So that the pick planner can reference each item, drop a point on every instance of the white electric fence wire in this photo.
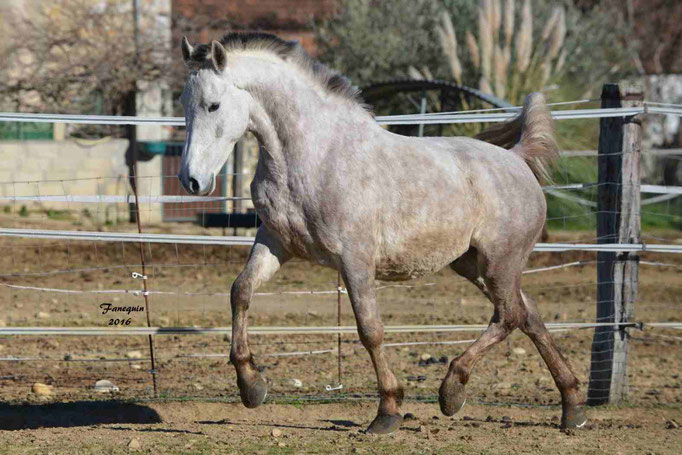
(411, 119)
(572, 153)
(561, 266)
(137, 292)
(492, 109)
(129, 199)
(661, 264)
(281, 354)
(654, 103)
(248, 241)
(308, 330)
(106, 199)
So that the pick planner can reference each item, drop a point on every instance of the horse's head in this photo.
(216, 116)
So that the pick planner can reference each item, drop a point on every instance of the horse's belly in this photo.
(418, 258)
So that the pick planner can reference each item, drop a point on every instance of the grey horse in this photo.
(335, 188)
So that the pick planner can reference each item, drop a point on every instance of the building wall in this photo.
(32, 168)
(290, 19)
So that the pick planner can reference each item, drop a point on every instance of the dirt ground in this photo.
(193, 371)
(205, 427)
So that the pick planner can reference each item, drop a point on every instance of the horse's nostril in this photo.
(193, 185)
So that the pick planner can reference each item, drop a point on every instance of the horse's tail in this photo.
(530, 134)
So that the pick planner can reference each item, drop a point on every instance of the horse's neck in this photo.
(298, 124)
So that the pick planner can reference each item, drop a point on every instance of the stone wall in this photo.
(31, 168)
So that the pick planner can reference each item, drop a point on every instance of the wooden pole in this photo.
(618, 221)
(338, 323)
(238, 177)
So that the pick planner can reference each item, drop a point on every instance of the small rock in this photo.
(276, 432)
(422, 429)
(42, 390)
(424, 357)
(296, 383)
(281, 444)
(135, 366)
(502, 385)
(672, 425)
(467, 418)
(134, 354)
(134, 444)
(506, 419)
(43, 315)
(435, 431)
(519, 351)
(409, 416)
(197, 386)
(435, 417)
(68, 357)
(104, 386)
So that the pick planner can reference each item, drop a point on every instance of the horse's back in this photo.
(444, 195)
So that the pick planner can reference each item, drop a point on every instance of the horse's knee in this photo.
(240, 294)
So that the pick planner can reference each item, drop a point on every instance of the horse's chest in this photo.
(287, 220)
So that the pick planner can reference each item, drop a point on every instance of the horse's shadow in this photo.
(75, 414)
(337, 425)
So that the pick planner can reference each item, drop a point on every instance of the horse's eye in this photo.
(213, 107)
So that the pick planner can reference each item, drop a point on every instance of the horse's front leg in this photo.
(267, 255)
(359, 279)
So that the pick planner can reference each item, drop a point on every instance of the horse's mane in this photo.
(290, 51)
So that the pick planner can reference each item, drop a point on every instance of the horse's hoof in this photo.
(451, 397)
(573, 418)
(253, 393)
(385, 424)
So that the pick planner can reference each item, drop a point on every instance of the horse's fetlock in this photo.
(240, 359)
(458, 372)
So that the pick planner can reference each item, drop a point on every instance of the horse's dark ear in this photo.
(186, 49)
(218, 56)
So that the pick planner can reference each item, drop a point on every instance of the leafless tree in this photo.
(80, 56)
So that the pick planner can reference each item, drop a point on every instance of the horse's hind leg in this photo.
(500, 282)
(572, 414)
(452, 395)
(265, 259)
(359, 278)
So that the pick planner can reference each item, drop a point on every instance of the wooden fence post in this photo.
(618, 221)
(237, 178)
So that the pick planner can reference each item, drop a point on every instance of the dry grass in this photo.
(510, 62)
